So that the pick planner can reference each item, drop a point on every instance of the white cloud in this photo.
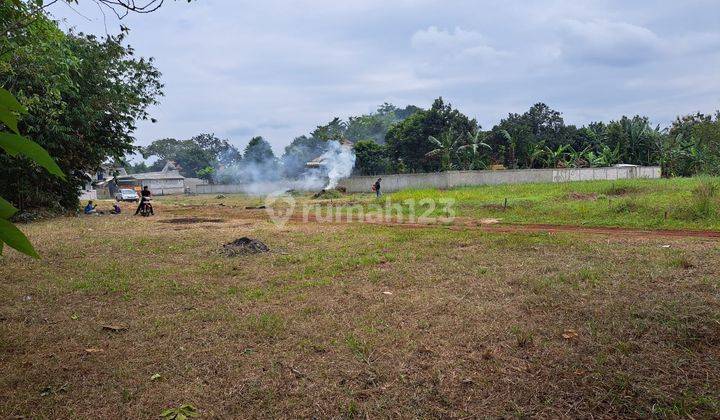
(610, 43)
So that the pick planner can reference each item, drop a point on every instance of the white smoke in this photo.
(260, 178)
(339, 160)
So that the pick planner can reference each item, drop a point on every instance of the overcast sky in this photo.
(279, 68)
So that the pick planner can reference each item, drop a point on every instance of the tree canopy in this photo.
(84, 96)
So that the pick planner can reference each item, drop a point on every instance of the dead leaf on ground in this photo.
(570, 334)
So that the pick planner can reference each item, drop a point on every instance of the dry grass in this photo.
(354, 321)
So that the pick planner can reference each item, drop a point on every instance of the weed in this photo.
(361, 349)
(680, 262)
(523, 338)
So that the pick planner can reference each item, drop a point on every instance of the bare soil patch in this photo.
(191, 220)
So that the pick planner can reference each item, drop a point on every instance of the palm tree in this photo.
(445, 148)
(475, 149)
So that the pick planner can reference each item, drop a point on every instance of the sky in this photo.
(278, 68)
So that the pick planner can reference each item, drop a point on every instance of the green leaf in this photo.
(9, 119)
(8, 106)
(6, 209)
(15, 144)
(16, 239)
(8, 101)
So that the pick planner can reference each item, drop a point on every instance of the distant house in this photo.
(167, 181)
(99, 183)
(320, 160)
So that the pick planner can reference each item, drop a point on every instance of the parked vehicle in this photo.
(127, 194)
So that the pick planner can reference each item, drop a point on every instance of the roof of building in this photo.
(318, 161)
(168, 172)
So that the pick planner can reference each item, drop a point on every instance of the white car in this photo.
(127, 194)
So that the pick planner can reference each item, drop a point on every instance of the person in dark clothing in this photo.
(145, 200)
(376, 187)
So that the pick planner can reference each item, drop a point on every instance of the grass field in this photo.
(359, 320)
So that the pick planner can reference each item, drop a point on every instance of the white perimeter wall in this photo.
(450, 179)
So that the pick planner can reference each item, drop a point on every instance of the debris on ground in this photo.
(254, 207)
(190, 220)
(93, 350)
(569, 334)
(327, 194)
(114, 328)
(243, 246)
(219, 196)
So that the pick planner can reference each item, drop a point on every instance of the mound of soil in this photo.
(243, 246)
(191, 220)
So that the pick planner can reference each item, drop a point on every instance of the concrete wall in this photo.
(217, 189)
(452, 179)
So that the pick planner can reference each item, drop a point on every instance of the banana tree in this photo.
(606, 156)
(554, 158)
(578, 158)
(475, 149)
(445, 149)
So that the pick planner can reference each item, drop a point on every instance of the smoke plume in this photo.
(264, 177)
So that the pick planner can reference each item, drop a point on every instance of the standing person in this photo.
(144, 200)
(376, 187)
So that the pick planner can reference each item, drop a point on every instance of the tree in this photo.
(445, 149)
(334, 130)
(370, 158)
(187, 154)
(409, 141)
(84, 96)
(258, 151)
(207, 173)
(474, 153)
(376, 125)
(302, 150)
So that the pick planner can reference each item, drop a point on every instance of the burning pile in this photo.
(243, 246)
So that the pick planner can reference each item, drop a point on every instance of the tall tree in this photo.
(84, 96)
(409, 141)
(258, 151)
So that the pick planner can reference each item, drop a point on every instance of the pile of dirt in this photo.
(191, 220)
(582, 196)
(243, 246)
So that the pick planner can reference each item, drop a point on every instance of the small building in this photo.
(165, 182)
(99, 184)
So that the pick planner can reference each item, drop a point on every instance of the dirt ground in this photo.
(127, 316)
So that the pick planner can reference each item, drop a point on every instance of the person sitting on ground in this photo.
(376, 187)
(90, 208)
(116, 209)
(145, 200)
